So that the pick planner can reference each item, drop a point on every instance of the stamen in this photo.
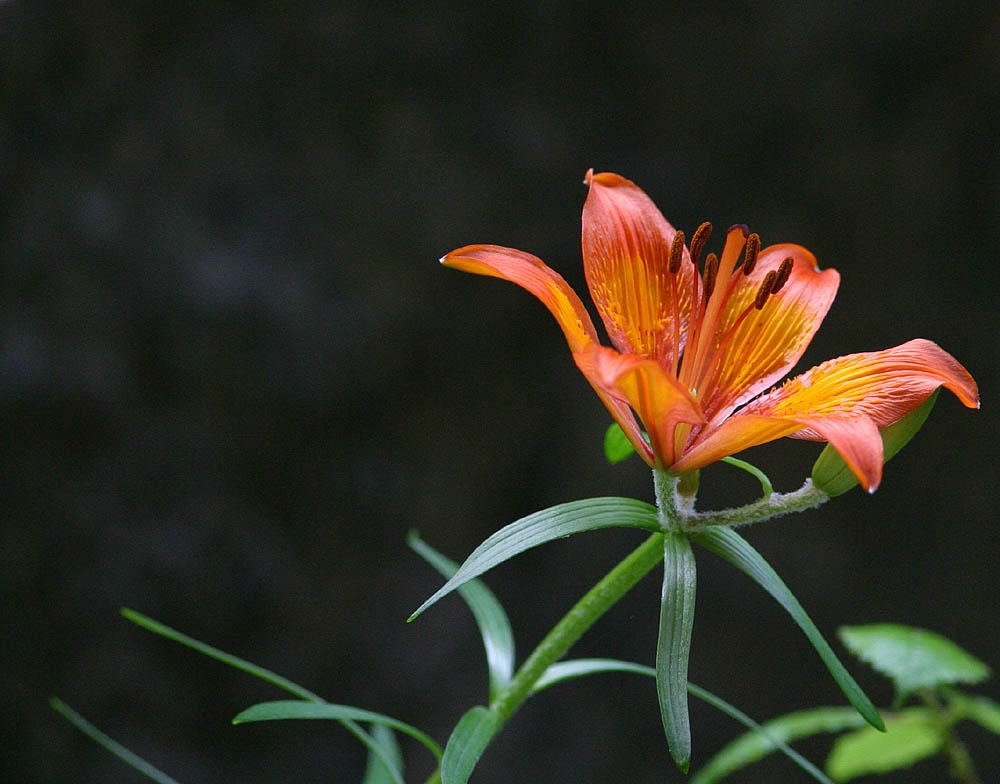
(676, 253)
(750, 255)
(784, 272)
(711, 270)
(765, 289)
(698, 241)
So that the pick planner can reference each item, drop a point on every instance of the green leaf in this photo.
(831, 474)
(467, 743)
(914, 658)
(544, 526)
(303, 709)
(109, 743)
(728, 544)
(378, 771)
(750, 468)
(910, 736)
(489, 614)
(258, 672)
(981, 710)
(753, 746)
(673, 645)
(576, 668)
(617, 447)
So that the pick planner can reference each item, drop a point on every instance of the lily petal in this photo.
(530, 273)
(882, 385)
(626, 253)
(656, 397)
(856, 438)
(767, 342)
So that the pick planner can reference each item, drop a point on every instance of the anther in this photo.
(711, 270)
(750, 255)
(676, 253)
(784, 271)
(765, 289)
(698, 241)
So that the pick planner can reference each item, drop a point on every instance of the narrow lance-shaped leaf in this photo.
(911, 735)
(753, 746)
(914, 658)
(544, 526)
(831, 474)
(577, 668)
(491, 619)
(377, 771)
(728, 544)
(674, 645)
(468, 740)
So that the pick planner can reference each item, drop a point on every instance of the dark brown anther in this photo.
(765, 289)
(698, 241)
(784, 271)
(750, 255)
(676, 253)
(711, 270)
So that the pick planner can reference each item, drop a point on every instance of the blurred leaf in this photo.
(914, 658)
(831, 474)
(467, 743)
(544, 526)
(673, 645)
(489, 614)
(377, 771)
(576, 668)
(617, 447)
(910, 736)
(302, 709)
(108, 743)
(728, 544)
(981, 710)
(753, 746)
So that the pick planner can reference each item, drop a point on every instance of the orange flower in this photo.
(695, 349)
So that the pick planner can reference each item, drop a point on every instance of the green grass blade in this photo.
(553, 523)
(303, 709)
(109, 744)
(732, 547)
(387, 767)
(494, 626)
(673, 645)
(467, 743)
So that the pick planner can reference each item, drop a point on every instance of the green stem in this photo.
(775, 505)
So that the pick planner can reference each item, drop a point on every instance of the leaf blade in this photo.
(617, 447)
(732, 547)
(467, 743)
(553, 523)
(911, 735)
(673, 645)
(387, 766)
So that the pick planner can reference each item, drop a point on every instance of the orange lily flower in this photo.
(694, 349)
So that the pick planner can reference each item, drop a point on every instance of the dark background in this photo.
(234, 375)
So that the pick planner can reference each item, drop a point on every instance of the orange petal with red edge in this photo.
(856, 438)
(626, 253)
(753, 353)
(660, 402)
(530, 273)
(882, 385)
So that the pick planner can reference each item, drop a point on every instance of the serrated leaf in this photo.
(910, 736)
(617, 447)
(831, 474)
(467, 743)
(544, 526)
(753, 746)
(110, 744)
(673, 645)
(301, 709)
(494, 626)
(913, 658)
(387, 767)
(728, 544)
